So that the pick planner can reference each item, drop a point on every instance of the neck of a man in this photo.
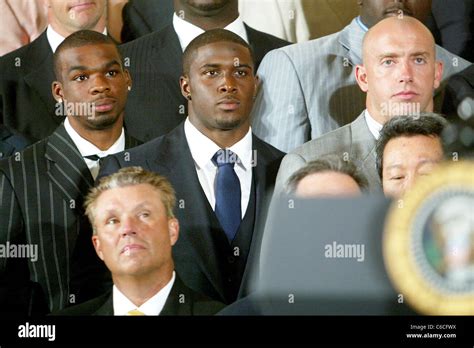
(65, 31)
(219, 19)
(382, 114)
(139, 289)
(223, 138)
(103, 138)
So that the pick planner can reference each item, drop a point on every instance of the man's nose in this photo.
(228, 84)
(100, 85)
(128, 227)
(406, 72)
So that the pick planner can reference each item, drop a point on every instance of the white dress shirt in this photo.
(86, 148)
(187, 32)
(373, 125)
(55, 39)
(203, 149)
(153, 306)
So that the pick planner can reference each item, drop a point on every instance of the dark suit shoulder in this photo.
(87, 308)
(26, 57)
(147, 41)
(182, 300)
(27, 155)
(141, 17)
(256, 36)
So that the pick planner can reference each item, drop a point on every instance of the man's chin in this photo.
(102, 122)
(228, 123)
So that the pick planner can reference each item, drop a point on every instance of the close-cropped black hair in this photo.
(78, 39)
(429, 124)
(209, 37)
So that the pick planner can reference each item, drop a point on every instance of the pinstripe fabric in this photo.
(41, 203)
(353, 142)
(309, 88)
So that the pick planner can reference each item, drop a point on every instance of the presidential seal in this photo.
(428, 242)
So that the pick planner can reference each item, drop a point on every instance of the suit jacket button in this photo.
(229, 279)
(230, 259)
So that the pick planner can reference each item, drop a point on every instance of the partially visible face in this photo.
(94, 82)
(372, 11)
(326, 184)
(400, 71)
(407, 158)
(74, 15)
(134, 235)
(222, 85)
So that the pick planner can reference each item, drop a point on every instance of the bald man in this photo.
(399, 74)
(309, 89)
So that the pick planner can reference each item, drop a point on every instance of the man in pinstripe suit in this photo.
(42, 187)
(309, 89)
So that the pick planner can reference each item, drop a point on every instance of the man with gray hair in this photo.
(327, 176)
(409, 147)
(134, 226)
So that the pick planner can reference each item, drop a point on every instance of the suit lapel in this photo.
(363, 148)
(66, 168)
(174, 160)
(107, 307)
(42, 75)
(258, 49)
(351, 38)
(178, 301)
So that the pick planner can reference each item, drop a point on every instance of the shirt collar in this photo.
(361, 25)
(187, 32)
(55, 39)
(373, 125)
(203, 149)
(86, 148)
(153, 306)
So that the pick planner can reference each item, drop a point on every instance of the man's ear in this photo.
(258, 84)
(57, 90)
(361, 78)
(184, 84)
(97, 247)
(128, 79)
(439, 67)
(173, 228)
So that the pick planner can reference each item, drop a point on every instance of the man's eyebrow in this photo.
(393, 54)
(103, 67)
(420, 53)
(388, 54)
(211, 65)
(393, 166)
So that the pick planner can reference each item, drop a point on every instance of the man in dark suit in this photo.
(42, 187)
(132, 216)
(155, 62)
(26, 103)
(220, 210)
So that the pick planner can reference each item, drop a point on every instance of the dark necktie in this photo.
(93, 157)
(227, 193)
